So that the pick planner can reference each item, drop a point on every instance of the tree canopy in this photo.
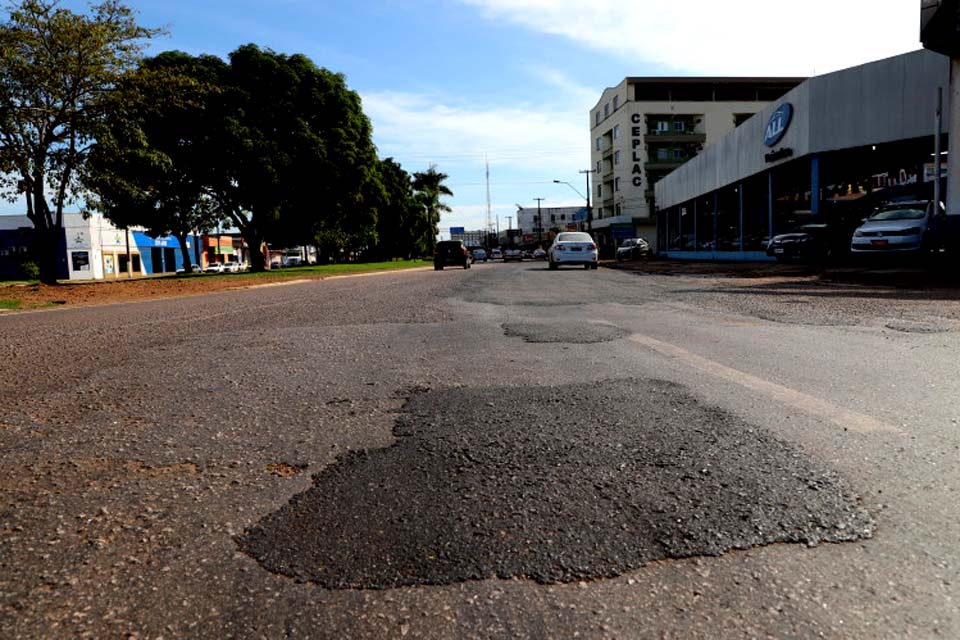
(56, 67)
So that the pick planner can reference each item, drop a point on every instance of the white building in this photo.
(538, 226)
(643, 128)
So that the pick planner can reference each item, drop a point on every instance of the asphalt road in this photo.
(505, 451)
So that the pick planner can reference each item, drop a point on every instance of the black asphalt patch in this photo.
(553, 484)
(567, 331)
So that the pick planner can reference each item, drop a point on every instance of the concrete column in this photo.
(953, 139)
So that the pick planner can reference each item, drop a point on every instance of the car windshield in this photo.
(574, 237)
(629, 243)
(898, 214)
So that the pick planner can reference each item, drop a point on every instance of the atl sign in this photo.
(777, 125)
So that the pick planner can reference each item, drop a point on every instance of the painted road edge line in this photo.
(845, 418)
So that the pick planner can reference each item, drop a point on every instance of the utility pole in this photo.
(539, 223)
(587, 172)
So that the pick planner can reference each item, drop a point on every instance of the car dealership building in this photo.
(833, 147)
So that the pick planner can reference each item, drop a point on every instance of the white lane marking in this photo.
(809, 404)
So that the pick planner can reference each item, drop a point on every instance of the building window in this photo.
(563, 216)
(553, 217)
(617, 209)
(598, 166)
(616, 184)
(598, 116)
(616, 100)
(663, 126)
(599, 189)
(663, 154)
(678, 154)
(606, 110)
(616, 157)
(599, 144)
(616, 132)
(679, 126)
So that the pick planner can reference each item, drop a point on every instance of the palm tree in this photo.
(428, 188)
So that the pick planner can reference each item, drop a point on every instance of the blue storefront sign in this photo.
(777, 125)
(456, 231)
(580, 215)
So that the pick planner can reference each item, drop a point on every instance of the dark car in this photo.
(807, 243)
(633, 249)
(452, 252)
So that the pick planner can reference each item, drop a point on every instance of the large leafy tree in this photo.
(397, 213)
(56, 66)
(150, 165)
(428, 188)
(295, 155)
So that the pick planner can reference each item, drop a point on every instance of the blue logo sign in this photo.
(457, 231)
(777, 125)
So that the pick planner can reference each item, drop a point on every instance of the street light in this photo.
(587, 197)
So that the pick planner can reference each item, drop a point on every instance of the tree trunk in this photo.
(48, 245)
(185, 252)
(255, 247)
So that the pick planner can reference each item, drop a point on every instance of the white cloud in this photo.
(423, 129)
(527, 147)
(732, 37)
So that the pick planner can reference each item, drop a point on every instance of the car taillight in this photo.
(593, 246)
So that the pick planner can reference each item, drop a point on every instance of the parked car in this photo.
(633, 249)
(231, 267)
(573, 247)
(479, 255)
(450, 252)
(495, 254)
(539, 254)
(513, 254)
(806, 243)
(194, 267)
(896, 227)
(292, 261)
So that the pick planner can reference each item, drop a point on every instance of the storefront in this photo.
(830, 150)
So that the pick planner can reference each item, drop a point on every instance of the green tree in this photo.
(429, 188)
(397, 213)
(55, 68)
(149, 166)
(295, 162)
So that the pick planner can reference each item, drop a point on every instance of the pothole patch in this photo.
(552, 484)
(565, 331)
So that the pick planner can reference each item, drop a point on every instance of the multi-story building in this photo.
(643, 128)
(538, 226)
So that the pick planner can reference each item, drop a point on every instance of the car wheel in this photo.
(586, 266)
(438, 267)
(552, 265)
(466, 265)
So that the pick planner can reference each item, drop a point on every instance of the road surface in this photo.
(500, 452)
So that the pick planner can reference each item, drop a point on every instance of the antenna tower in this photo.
(489, 218)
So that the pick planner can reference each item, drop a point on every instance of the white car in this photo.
(495, 254)
(513, 254)
(215, 267)
(573, 247)
(195, 268)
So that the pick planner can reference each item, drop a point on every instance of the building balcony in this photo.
(675, 137)
(664, 165)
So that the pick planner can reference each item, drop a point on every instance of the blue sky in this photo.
(450, 82)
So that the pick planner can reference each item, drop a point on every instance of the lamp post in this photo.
(577, 191)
